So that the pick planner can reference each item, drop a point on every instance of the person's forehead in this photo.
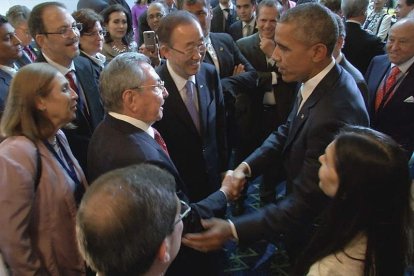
(56, 16)
(6, 28)
(154, 9)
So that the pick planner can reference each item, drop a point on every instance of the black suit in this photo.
(236, 29)
(360, 46)
(295, 148)
(219, 24)
(79, 137)
(396, 117)
(5, 81)
(200, 158)
(117, 144)
(358, 77)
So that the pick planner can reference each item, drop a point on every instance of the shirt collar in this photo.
(64, 70)
(178, 80)
(9, 70)
(224, 7)
(311, 84)
(135, 122)
(98, 58)
(404, 66)
(251, 22)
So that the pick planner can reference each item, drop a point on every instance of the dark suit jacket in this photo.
(5, 81)
(295, 148)
(236, 30)
(117, 144)
(358, 77)
(218, 23)
(396, 117)
(360, 46)
(97, 69)
(79, 137)
(200, 158)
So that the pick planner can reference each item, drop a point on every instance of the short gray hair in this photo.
(18, 14)
(354, 8)
(123, 72)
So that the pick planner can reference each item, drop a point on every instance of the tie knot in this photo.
(395, 71)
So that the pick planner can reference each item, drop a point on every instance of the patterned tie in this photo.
(160, 141)
(72, 84)
(299, 99)
(247, 28)
(190, 104)
(387, 91)
(29, 52)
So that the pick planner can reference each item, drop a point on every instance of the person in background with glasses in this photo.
(57, 34)
(130, 222)
(91, 38)
(17, 17)
(134, 95)
(119, 37)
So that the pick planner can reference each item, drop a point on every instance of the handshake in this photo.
(234, 182)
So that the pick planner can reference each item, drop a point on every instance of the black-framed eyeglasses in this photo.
(96, 33)
(66, 31)
(159, 87)
(189, 52)
(185, 210)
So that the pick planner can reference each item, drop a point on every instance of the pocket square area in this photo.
(409, 100)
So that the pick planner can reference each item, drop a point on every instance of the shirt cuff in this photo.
(249, 171)
(233, 230)
(274, 78)
(225, 195)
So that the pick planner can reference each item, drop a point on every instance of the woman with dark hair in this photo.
(367, 228)
(119, 35)
(41, 182)
(91, 38)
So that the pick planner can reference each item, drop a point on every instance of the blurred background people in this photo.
(139, 8)
(130, 222)
(91, 38)
(404, 8)
(38, 221)
(378, 21)
(119, 33)
(10, 51)
(246, 23)
(367, 227)
(18, 16)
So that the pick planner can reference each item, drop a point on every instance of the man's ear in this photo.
(319, 52)
(128, 100)
(164, 51)
(40, 40)
(164, 251)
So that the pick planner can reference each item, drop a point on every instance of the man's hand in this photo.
(267, 46)
(233, 183)
(238, 69)
(217, 232)
(153, 55)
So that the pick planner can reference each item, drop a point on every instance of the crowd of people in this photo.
(121, 158)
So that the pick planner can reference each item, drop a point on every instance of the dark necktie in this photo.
(160, 141)
(190, 104)
(385, 92)
(72, 84)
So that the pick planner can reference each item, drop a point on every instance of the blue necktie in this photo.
(190, 104)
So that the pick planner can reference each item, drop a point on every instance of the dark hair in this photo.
(373, 198)
(124, 217)
(315, 24)
(88, 18)
(269, 4)
(36, 24)
(333, 5)
(180, 3)
(409, 2)
(18, 14)
(127, 39)
(3, 20)
(354, 8)
(171, 21)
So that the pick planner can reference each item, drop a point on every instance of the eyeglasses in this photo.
(155, 16)
(65, 31)
(185, 210)
(159, 87)
(189, 52)
(96, 33)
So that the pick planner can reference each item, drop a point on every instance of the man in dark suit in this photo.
(392, 104)
(57, 35)
(246, 25)
(224, 14)
(133, 95)
(273, 101)
(360, 46)
(341, 60)
(10, 51)
(305, 37)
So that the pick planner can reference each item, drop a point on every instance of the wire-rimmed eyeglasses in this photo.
(96, 33)
(201, 48)
(185, 210)
(159, 87)
(66, 31)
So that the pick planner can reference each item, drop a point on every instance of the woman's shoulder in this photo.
(17, 145)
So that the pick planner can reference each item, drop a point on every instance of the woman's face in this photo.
(91, 42)
(328, 177)
(117, 25)
(60, 105)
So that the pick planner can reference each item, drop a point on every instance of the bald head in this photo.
(400, 43)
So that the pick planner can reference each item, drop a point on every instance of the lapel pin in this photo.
(201, 86)
(302, 116)
(221, 49)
